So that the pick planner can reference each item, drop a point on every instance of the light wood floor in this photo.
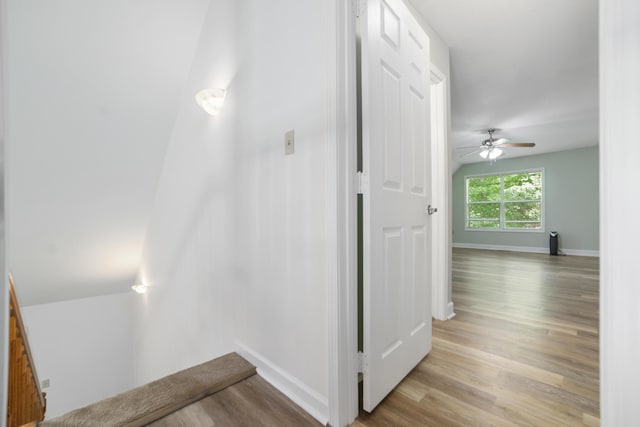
(522, 349)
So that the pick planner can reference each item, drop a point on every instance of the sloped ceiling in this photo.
(529, 67)
(93, 89)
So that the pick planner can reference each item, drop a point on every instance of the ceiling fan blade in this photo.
(518, 144)
(468, 147)
(471, 152)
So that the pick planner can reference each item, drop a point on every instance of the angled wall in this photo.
(187, 316)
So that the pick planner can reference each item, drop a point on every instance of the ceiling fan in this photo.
(491, 148)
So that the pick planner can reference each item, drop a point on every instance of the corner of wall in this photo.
(305, 397)
(4, 280)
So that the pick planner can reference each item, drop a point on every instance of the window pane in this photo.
(523, 225)
(505, 202)
(523, 186)
(484, 224)
(483, 189)
(522, 211)
(484, 210)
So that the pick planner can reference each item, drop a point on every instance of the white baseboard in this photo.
(580, 252)
(450, 313)
(309, 400)
(532, 249)
(502, 248)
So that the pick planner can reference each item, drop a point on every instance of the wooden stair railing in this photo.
(27, 403)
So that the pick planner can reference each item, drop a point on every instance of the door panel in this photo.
(396, 230)
(418, 279)
(391, 98)
(391, 293)
(418, 166)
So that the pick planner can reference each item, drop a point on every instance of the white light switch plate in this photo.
(289, 143)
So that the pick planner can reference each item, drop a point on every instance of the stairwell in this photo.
(27, 403)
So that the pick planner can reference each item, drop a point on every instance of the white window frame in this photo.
(501, 229)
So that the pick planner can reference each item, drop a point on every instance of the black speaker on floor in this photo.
(553, 243)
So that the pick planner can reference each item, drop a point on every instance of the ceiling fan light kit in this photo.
(491, 153)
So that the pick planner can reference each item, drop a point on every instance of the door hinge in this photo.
(362, 363)
(362, 183)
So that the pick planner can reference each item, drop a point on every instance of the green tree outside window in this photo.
(510, 201)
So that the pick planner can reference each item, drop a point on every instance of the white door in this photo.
(396, 160)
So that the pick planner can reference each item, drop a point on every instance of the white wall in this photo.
(84, 347)
(187, 316)
(4, 281)
(236, 252)
(619, 234)
(281, 224)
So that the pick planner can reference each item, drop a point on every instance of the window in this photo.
(512, 201)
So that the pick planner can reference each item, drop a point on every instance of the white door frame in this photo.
(341, 214)
(442, 306)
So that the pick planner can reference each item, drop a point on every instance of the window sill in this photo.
(510, 230)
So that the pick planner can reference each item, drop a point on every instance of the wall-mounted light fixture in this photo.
(211, 100)
(140, 288)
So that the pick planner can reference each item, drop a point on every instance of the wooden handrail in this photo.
(27, 403)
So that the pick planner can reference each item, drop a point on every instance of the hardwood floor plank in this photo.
(501, 363)
(459, 413)
(413, 389)
(590, 420)
(522, 350)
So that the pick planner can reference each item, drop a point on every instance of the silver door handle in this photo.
(431, 210)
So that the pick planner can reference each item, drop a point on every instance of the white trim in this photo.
(508, 230)
(543, 215)
(440, 250)
(341, 214)
(308, 399)
(450, 313)
(579, 252)
(531, 249)
(619, 151)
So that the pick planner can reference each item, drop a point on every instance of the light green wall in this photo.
(571, 200)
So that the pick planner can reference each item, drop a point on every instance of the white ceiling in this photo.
(529, 67)
(93, 89)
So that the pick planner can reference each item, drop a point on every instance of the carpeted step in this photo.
(145, 404)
